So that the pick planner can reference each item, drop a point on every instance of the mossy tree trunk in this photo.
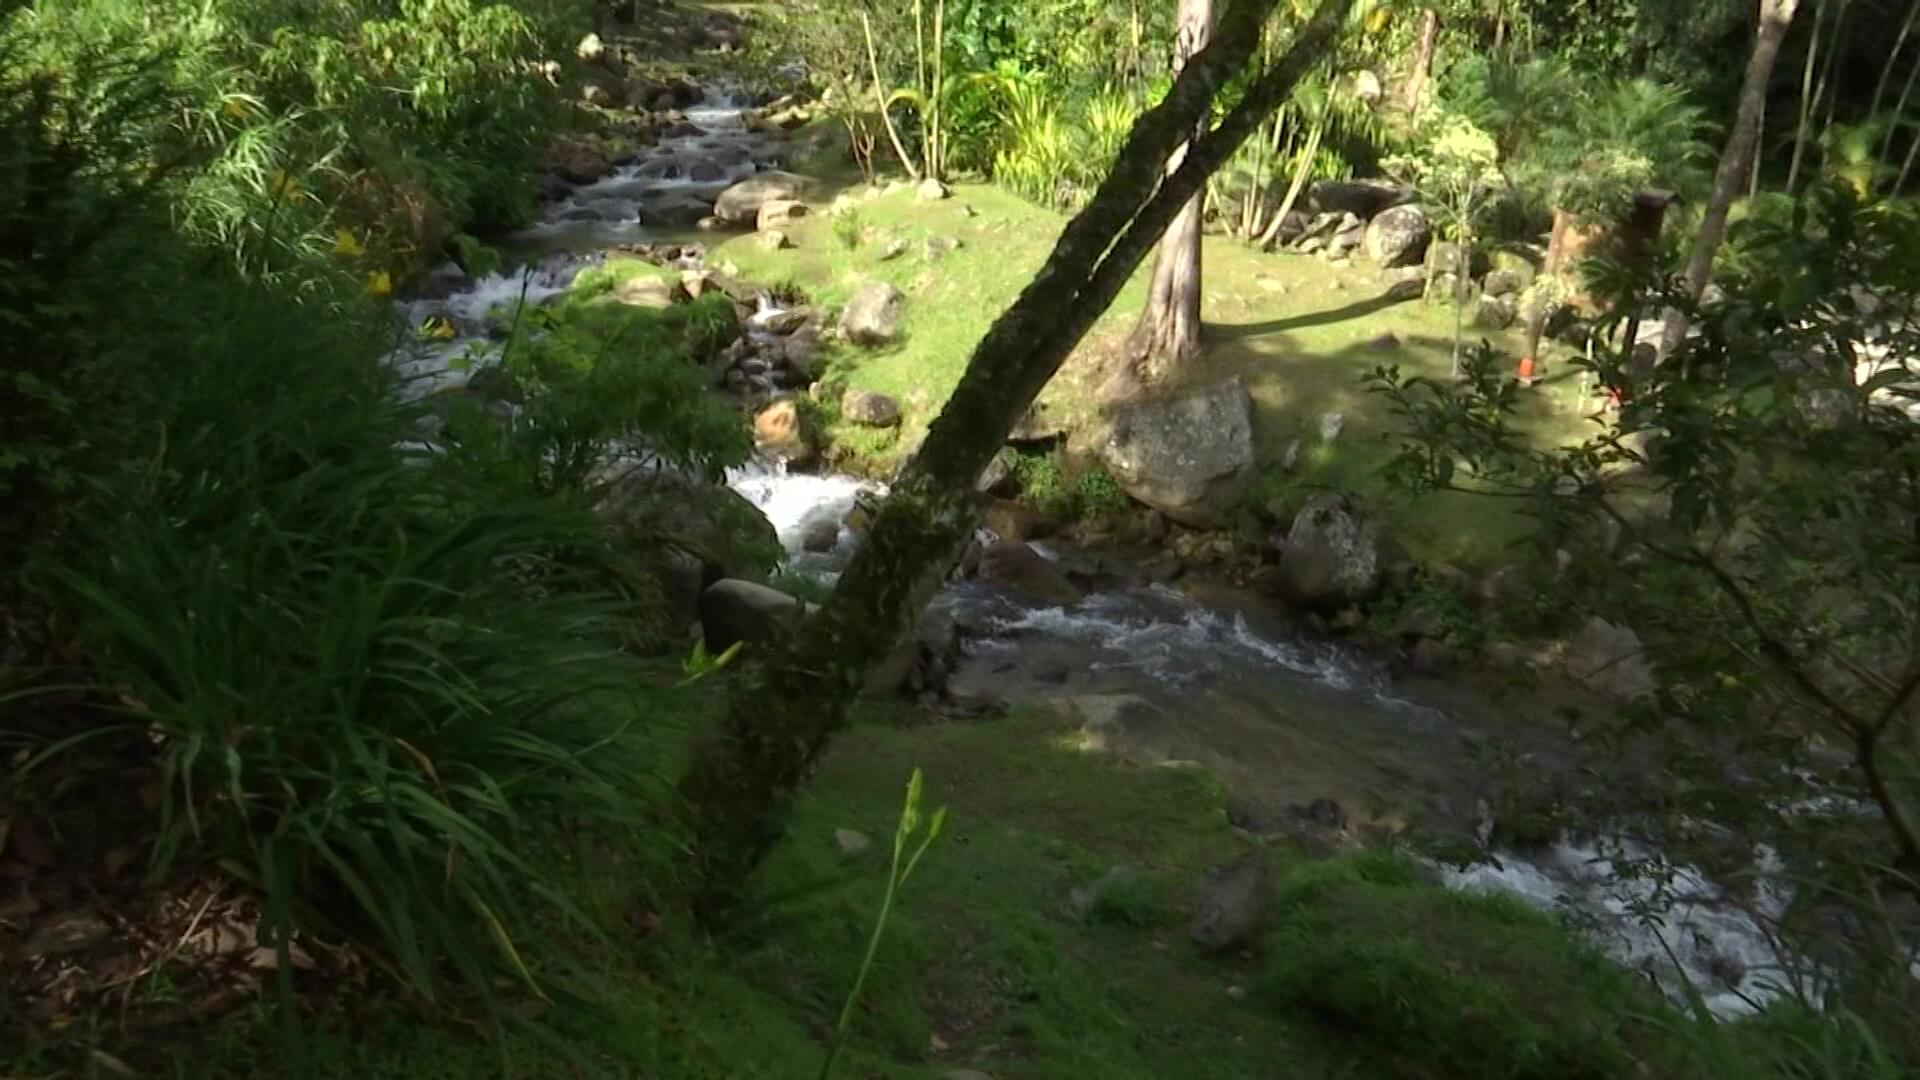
(780, 718)
(1168, 334)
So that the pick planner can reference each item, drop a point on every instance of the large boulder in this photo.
(1609, 658)
(733, 611)
(872, 316)
(659, 510)
(1361, 198)
(1017, 568)
(779, 213)
(1233, 902)
(1331, 556)
(741, 203)
(1398, 236)
(1175, 453)
(870, 409)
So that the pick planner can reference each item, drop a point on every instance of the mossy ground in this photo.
(987, 965)
(1303, 334)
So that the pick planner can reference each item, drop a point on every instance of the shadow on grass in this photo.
(1359, 309)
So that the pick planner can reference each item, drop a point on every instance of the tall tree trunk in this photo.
(1776, 16)
(782, 716)
(1416, 88)
(1807, 94)
(1168, 334)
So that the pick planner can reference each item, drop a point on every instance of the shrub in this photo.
(369, 676)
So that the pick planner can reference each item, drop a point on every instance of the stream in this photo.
(1298, 729)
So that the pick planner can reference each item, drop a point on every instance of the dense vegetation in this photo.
(398, 688)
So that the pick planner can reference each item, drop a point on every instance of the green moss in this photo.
(1464, 985)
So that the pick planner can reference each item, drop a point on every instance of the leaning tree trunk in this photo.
(1416, 87)
(780, 719)
(1775, 17)
(1168, 334)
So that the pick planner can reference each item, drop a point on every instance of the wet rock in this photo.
(779, 213)
(1017, 568)
(786, 322)
(1398, 237)
(733, 611)
(1609, 658)
(678, 209)
(819, 532)
(1233, 903)
(741, 203)
(1323, 812)
(577, 161)
(869, 408)
(1175, 454)
(1011, 520)
(1331, 557)
(781, 428)
(872, 316)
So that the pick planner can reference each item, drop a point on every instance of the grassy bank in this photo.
(1303, 334)
(1363, 970)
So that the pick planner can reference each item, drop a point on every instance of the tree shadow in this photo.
(1359, 309)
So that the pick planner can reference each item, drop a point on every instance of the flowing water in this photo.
(1207, 677)
(1213, 677)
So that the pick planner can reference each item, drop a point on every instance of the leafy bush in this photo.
(599, 377)
(369, 676)
(1468, 986)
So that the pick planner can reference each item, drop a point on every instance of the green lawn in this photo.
(1302, 333)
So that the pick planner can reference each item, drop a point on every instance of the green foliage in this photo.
(1775, 600)
(597, 376)
(1053, 158)
(1131, 898)
(370, 677)
(1046, 483)
(1465, 985)
(849, 229)
(899, 870)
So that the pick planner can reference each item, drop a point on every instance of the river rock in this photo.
(1010, 520)
(820, 530)
(1503, 283)
(922, 662)
(733, 611)
(1233, 902)
(786, 322)
(1398, 236)
(869, 408)
(872, 316)
(1609, 658)
(1361, 198)
(781, 428)
(1176, 453)
(1017, 568)
(1331, 557)
(1494, 313)
(717, 526)
(678, 209)
(779, 213)
(741, 203)
(1126, 726)
(645, 291)
(800, 351)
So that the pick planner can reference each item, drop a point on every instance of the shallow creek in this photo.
(1202, 676)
